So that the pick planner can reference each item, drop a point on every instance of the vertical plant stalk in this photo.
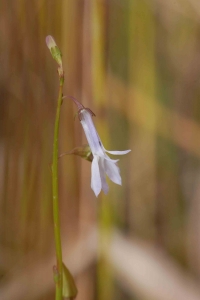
(58, 270)
(105, 211)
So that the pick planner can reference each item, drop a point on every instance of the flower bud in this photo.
(55, 51)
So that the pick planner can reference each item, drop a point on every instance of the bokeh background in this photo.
(136, 64)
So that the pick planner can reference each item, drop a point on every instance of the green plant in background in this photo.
(65, 286)
(102, 165)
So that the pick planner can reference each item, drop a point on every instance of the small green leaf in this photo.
(55, 274)
(69, 286)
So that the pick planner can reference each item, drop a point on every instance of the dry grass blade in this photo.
(141, 268)
(149, 273)
(36, 279)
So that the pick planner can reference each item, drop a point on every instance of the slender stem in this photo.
(56, 217)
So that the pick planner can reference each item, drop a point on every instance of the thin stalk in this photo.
(58, 269)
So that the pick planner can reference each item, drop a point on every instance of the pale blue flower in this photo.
(102, 164)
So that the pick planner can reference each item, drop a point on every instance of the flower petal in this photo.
(112, 170)
(118, 152)
(96, 178)
(91, 133)
(104, 184)
(105, 156)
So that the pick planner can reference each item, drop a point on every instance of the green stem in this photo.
(56, 217)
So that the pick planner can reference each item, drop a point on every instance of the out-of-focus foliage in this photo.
(136, 64)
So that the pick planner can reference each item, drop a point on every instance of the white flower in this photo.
(102, 165)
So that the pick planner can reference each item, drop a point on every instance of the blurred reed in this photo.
(99, 67)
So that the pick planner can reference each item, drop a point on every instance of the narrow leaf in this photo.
(69, 286)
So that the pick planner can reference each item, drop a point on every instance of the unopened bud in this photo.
(55, 51)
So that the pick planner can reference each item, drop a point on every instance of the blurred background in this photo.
(136, 65)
